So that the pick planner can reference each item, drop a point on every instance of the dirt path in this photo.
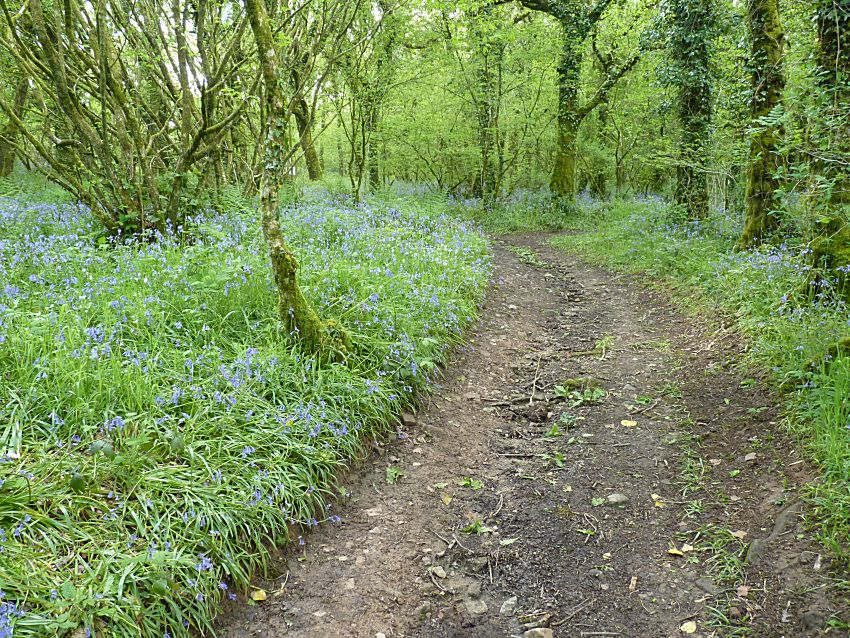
(658, 445)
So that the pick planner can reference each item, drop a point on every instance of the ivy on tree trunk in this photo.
(692, 31)
(768, 83)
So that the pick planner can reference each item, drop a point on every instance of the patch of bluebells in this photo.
(184, 338)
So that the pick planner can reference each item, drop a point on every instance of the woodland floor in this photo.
(704, 460)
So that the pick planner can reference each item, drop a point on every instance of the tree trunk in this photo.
(563, 183)
(691, 47)
(304, 122)
(831, 248)
(833, 59)
(9, 133)
(295, 311)
(768, 82)
(488, 60)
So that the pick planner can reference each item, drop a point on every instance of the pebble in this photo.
(475, 607)
(618, 499)
(408, 420)
(508, 606)
(438, 571)
(539, 632)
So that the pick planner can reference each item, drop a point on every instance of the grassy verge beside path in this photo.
(158, 430)
(788, 323)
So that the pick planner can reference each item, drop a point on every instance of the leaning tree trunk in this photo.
(304, 122)
(295, 311)
(9, 133)
(768, 82)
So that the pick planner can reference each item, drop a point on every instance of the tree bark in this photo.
(9, 133)
(304, 122)
(831, 247)
(295, 311)
(563, 182)
(768, 83)
(691, 48)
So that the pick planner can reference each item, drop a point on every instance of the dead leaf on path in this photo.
(740, 534)
(750, 457)
(633, 583)
(687, 548)
(743, 591)
(715, 461)
(675, 552)
(658, 500)
(446, 498)
(568, 488)
(689, 627)
(258, 594)
(628, 423)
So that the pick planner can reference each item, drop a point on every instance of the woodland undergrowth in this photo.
(159, 432)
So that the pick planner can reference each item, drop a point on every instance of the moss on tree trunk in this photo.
(9, 133)
(768, 82)
(295, 311)
(304, 122)
(693, 22)
(563, 182)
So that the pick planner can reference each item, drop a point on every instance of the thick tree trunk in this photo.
(831, 248)
(768, 82)
(694, 21)
(301, 111)
(563, 182)
(295, 311)
(833, 59)
(9, 133)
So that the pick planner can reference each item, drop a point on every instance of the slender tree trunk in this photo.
(768, 84)
(374, 162)
(304, 122)
(295, 311)
(488, 60)
(9, 133)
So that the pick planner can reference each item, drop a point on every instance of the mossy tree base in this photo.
(325, 339)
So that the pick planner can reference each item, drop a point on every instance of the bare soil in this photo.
(666, 443)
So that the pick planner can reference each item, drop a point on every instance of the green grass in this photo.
(158, 429)
(787, 323)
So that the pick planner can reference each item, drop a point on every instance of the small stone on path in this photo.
(508, 606)
(475, 607)
(408, 420)
(618, 499)
(539, 632)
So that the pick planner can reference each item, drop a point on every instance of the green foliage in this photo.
(159, 431)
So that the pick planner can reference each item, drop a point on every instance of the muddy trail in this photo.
(591, 464)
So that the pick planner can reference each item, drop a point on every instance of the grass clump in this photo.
(793, 325)
(159, 430)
